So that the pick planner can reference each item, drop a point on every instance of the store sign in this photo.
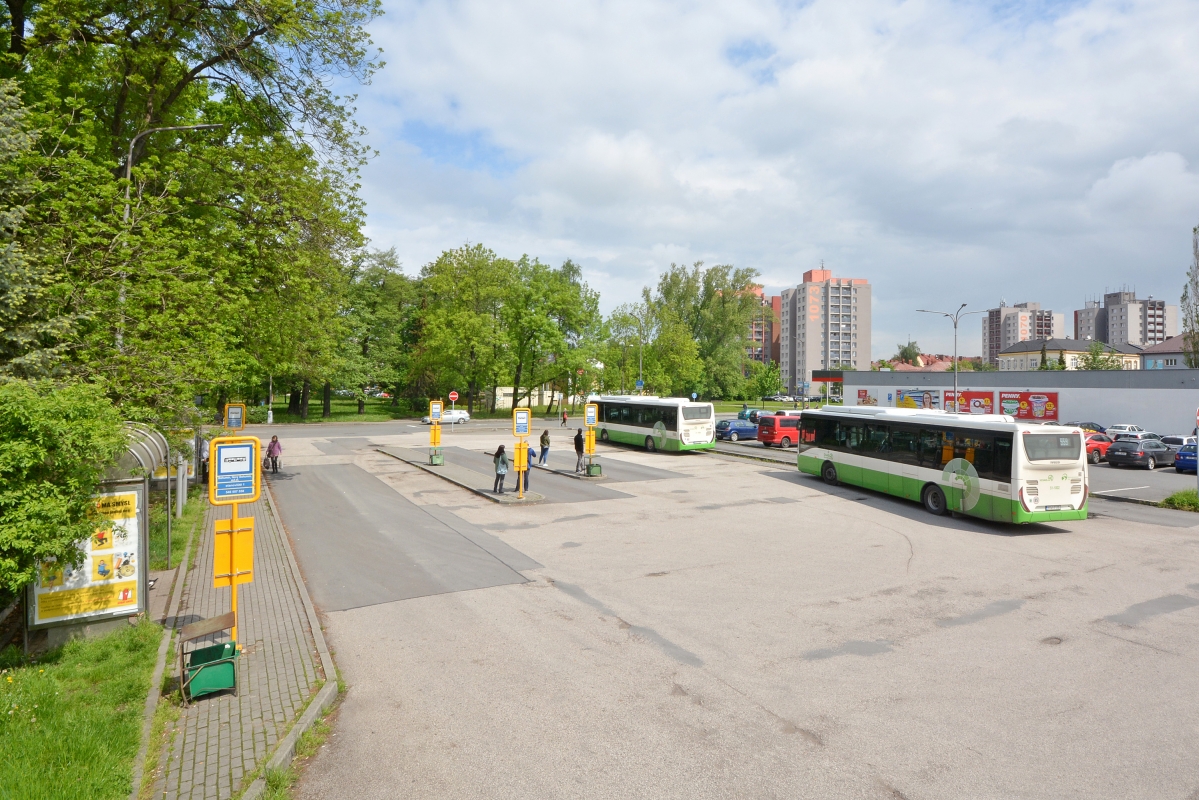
(1036, 406)
(106, 583)
(918, 398)
(972, 402)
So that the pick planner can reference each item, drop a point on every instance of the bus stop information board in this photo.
(591, 415)
(520, 422)
(235, 477)
(235, 416)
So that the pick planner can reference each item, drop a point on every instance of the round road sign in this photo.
(453, 396)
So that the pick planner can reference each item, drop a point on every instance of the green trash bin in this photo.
(212, 669)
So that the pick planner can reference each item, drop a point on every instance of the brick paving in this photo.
(221, 738)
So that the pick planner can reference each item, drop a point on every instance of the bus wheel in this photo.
(934, 500)
(785, 443)
(649, 444)
(604, 435)
(829, 473)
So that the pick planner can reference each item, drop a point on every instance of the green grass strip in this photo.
(1186, 500)
(70, 722)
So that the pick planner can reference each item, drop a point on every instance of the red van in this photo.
(778, 430)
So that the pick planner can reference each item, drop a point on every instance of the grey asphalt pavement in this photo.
(746, 631)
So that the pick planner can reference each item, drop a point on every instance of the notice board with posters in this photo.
(1035, 406)
(972, 402)
(110, 580)
(918, 398)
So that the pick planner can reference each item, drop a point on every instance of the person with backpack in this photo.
(500, 459)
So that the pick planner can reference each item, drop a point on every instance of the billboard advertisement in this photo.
(918, 398)
(106, 583)
(867, 397)
(972, 402)
(1034, 406)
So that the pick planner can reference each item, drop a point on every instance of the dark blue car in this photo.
(734, 429)
(1184, 459)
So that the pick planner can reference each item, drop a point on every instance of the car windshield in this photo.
(1052, 446)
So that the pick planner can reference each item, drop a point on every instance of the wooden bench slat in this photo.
(207, 626)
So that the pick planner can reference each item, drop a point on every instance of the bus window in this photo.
(670, 419)
(876, 439)
(646, 417)
(1001, 468)
(1052, 446)
(932, 452)
(626, 415)
(849, 435)
(904, 445)
(697, 412)
(825, 432)
(611, 413)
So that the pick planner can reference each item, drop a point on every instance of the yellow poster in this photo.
(117, 506)
(88, 600)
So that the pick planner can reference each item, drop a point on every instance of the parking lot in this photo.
(731, 628)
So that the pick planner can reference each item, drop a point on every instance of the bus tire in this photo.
(649, 444)
(934, 500)
(829, 473)
(604, 435)
(785, 443)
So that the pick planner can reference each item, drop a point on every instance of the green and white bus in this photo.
(984, 465)
(656, 423)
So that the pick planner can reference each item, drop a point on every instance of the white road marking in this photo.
(1128, 489)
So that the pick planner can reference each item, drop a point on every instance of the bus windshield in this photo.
(697, 412)
(1052, 446)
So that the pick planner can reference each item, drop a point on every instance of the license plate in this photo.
(1054, 508)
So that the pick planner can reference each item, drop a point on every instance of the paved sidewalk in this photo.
(221, 738)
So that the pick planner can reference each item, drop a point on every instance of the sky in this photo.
(947, 151)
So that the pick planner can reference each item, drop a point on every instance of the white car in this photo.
(1112, 430)
(454, 416)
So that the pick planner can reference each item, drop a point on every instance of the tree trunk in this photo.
(293, 401)
(304, 394)
(361, 400)
(327, 400)
(470, 397)
(395, 396)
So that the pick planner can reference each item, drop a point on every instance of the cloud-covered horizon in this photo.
(948, 152)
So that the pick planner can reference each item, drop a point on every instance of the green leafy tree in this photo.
(55, 443)
(764, 379)
(907, 353)
(1044, 363)
(1099, 356)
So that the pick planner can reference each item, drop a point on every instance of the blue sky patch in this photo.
(473, 150)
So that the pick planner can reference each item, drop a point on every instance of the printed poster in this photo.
(1035, 406)
(918, 398)
(867, 397)
(106, 582)
(972, 402)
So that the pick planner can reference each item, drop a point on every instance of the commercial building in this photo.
(1170, 354)
(1123, 319)
(1027, 355)
(824, 323)
(1006, 325)
(764, 329)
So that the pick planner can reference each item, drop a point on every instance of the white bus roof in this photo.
(652, 398)
(931, 415)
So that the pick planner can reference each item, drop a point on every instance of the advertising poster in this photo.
(867, 397)
(1035, 406)
(106, 583)
(972, 402)
(918, 398)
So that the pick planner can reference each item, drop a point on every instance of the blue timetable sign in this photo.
(235, 475)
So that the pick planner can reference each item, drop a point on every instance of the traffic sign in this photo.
(235, 416)
(453, 397)
(435, 407)
(640, 384)
(235, 476)
(694, 395)
(520, 421)
(591, 415)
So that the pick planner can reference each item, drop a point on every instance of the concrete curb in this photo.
(566, 474)
(530, 498)
(749, 456)
(1136, 500)
(285, 751)
(155, 695)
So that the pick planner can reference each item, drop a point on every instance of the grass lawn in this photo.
(70, 723)
(346, 410)
(731, 406)
(1186, 500)
(193, 512)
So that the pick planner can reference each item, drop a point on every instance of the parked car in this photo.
(746, 412)
(1112, 430)
(756, 414)
(781, 430)
(779, 398)
(1097, 445)
(1176, 441)
(1185, 459)
(1093, 427)
(450, 417)
(1135, 436)
(735, 429)
(1147, 453)
(789, 412)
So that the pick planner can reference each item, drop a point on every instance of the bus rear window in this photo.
(697, 412)
(1052, 446)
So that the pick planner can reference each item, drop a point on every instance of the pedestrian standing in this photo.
(545, 447)
(530, 454)
(563, 418)
(579, 450)
(501, 469)
(204, 460)
(273, 451)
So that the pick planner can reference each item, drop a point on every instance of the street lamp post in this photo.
(954, 317)
(120, 338)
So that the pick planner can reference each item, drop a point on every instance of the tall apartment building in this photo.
(764, 329)
(1007, 325)
(1123, 319)
(824, 324)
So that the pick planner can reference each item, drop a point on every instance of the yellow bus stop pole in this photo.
(233, 572)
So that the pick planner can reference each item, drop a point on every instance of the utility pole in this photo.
(954, 317)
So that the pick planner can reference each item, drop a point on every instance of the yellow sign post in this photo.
(522, 421)
(436, 457)
(235, 416)
(234, 477)
(591, 419)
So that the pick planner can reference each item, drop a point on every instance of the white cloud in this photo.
(947, 151)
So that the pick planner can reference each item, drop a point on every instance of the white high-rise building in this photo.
(824, 324)
(1008, 325)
